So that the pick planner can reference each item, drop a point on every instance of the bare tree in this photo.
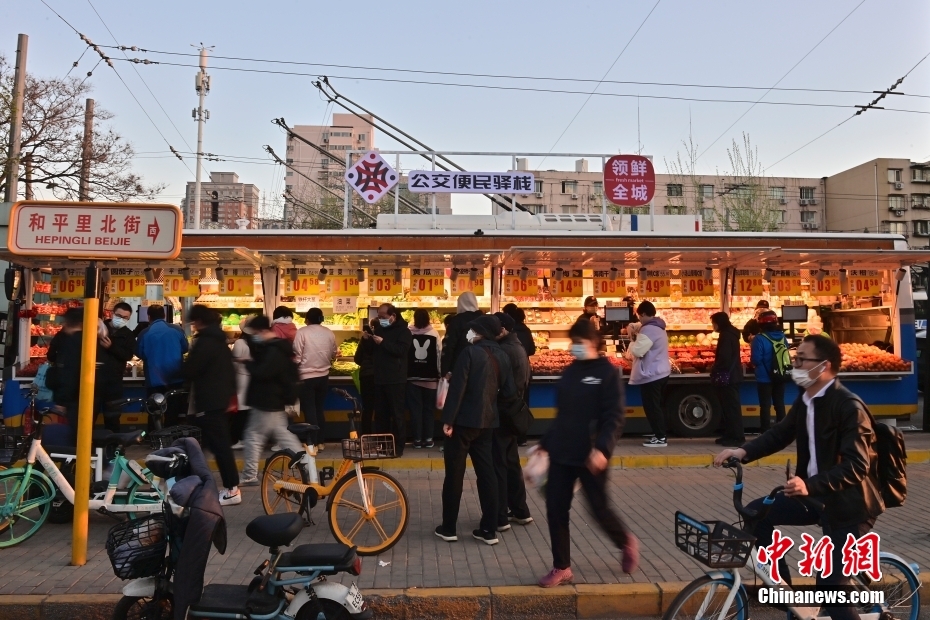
(52, 137)
(684, 174)
(746, 203)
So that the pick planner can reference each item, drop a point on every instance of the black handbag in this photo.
(722, 378)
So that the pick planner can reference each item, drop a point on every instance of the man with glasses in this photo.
(837, 462)
(115, 346)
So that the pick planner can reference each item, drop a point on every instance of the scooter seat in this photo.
(103, 438)
(275, 530)
(336, 555)
(304, 432)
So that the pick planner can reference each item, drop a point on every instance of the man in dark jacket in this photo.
(392, 339)
(454, 342)
(209, 369)
(64, 374)
(114, 349)
(272, 386)
(480, 379)
(837, 461)
(511, 490)
(365, 358)
(524, 333)
(727, 364)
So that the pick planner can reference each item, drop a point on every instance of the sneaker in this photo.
(488, 538)
(429, 443)
(230, 497)
(655, 442)
(556, 577)
(630, 554)
(417, 445)
(520, 520)
(503, 528)
(445, 534)
(276, 448)
(249, 482)
(238, 446)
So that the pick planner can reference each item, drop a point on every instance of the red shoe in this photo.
(630, 554)
(556, 577)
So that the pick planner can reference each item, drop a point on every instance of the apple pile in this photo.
(550, 362)
(867, 358)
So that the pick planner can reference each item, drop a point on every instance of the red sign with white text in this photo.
(629, 180)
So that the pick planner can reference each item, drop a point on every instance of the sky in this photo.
(716, 43)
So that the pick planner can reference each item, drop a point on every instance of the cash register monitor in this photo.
(794, 314)
(619, 314)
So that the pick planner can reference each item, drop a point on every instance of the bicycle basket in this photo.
(369, 447)
(137, 547)
(13, 445)
(166, 436)
(714, 543)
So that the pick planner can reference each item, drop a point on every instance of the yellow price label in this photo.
(571, 284)
(517, 287)
(305, 285)
(464, 284)
(785, 283)
(67, 287)
(656, 284)
(828, 286)
(381, 282)
(748, 282)
(605, 287)
(237, 286)
(177, 286)
(694, 284)
(864, 283)
(342, 285)
(427, 285)
(127, 286)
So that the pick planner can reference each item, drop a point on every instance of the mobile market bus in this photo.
(854, 287)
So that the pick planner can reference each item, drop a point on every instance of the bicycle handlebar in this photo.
(749, 515)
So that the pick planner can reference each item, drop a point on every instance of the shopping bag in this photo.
(292, 410)
(441, 393)
(536, 470)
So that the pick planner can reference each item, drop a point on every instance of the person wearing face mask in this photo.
(836, 456)
(115, 347)
(589, 395)
(392, 339)
(590, 311)
(651, 368)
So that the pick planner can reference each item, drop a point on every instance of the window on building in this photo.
(707, 214)
(922, 228)
(673, 189)
(290, 148)
(783, 218)
(536, 209)
(569, 209)
(777, 193)
(538, 187)
(807, 193)
(597, 188)
(361, 137)
(706, 191)
(896, 203)
(920, 174)
(895, 228)
(324, 163)
(894, 175)
(808, 216)
(288, 188)
(675, 210)
(920, 201)
(569, 187)
(289, 173)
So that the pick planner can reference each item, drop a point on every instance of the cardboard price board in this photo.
(864, 283)
(516, 287)
(177, 286)
(571, 284)
(381, 282)
(829, 286)
(305, 285)
(344, 304)
(694, 284)
(428, 282)
(237, 283)
(785, 283)
(748, 282)
(462, 283)
(656, 283)
(342, 282)
(127, 286)
(69, 285)
(605, 287)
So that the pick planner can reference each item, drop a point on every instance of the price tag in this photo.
(748, 282)
(828, 286)
(69, 286)
(343, 282)
(864, 283)
(345, 304)
(571, 284)
(381, 282)
(462, 283)
(176, 286)
(656, 284)
(127, 286)
(428, 282)
(237, 283)
(694, 284)
(785, 283)
(305, 303)
(516, 287)
(605, 287)
(305, 284)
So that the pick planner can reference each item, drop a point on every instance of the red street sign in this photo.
(629, 180)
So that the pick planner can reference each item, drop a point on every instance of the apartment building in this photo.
(223, 201)
(890, 195)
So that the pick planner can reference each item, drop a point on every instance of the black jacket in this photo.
(846, 479)
(525, 334)
(728, 354)
(454, 341)
(111, 363)
(365, 357)
(477, 385)
(391, 355)
(519, 362)
(272, 375)
(589, 397)
(64, 378)
(209, 367)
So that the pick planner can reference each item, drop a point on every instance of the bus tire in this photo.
(692, 411)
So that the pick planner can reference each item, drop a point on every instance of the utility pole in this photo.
(27, 164)
(16, 128)
(202, 86)
(87, 150)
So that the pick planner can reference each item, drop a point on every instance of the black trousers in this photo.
(214, 428)
(732, 412)
(521, 440)
(770, 393)
(369, 394)
(478, 444)
(651, 394)
(560, 490)
(390, 411)
(788, 511)
(313, 401)
(511, 490)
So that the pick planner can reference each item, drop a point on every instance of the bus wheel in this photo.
(692, 412)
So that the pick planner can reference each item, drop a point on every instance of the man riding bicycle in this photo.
(836, 460)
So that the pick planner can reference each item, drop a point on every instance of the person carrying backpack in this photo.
(773, 367)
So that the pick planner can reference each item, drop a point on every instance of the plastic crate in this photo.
(137, 547)
(369, 447)
(166, 436)
(13, 445)
(713, 543)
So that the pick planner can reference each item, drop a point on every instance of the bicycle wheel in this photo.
(144, 608)
(278, 468)
(703, 599)
(20, 521)
(379, 531)
(901, 588)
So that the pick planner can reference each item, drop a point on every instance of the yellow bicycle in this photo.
(367, 507)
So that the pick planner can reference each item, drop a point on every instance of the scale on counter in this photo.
(792, 315)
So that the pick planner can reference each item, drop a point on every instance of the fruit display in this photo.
(49, 329)
(343, 369)
(693, 340)
(541, 339)
(549, 362)
(37, 351)
(699, 358)
(686, 316)
(621, 362)
(232, 320)
(55, 308)
(32, 368)
(348, 347)
(546, 316)
(436, 317)
(868, 358)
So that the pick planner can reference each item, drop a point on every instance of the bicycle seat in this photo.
(275, 530)
(337, 555)
(102, 438)
(304, 431)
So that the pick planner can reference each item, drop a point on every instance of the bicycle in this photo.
(27, 494)
(367, 507)
(720, 594)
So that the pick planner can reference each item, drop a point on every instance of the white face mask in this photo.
(802, 377)
(471, 335)
(119, 321)
(579, 352)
